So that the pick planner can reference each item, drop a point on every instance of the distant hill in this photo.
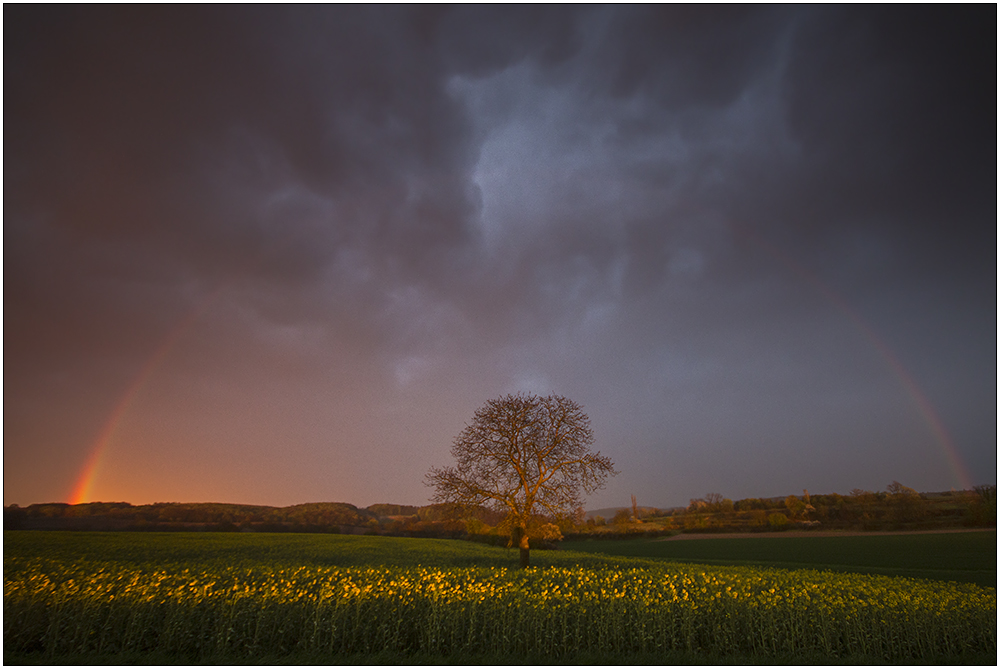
(179, 516)
(218, 517)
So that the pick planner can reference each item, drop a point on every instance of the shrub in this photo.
(550, 532)
(777, 520)
(622, 517)
(983, 510)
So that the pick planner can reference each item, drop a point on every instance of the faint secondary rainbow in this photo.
(927, 410)
(84, 485)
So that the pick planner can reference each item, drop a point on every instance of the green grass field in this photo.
(968, 557)
(94, 598)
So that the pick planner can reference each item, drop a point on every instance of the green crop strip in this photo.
(967, 556)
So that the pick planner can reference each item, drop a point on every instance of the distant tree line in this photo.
(898, 507)
(314, 517)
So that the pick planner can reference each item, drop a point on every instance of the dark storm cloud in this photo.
(269, 142)
(909, 93)
(197, 144)
(128, 103)
(684, 57)
(894, 114)
(645, 204)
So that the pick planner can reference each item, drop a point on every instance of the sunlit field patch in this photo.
(56, 608)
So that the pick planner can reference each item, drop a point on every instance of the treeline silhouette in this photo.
(897, 508)
(333, 517)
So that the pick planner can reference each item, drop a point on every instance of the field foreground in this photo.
(90, 597)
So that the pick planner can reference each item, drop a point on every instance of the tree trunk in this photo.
(521, 539)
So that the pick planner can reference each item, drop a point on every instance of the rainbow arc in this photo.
(899, 370)
(82, 491)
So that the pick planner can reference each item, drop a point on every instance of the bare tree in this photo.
(523, 455)
(635, 510)
(714, 500)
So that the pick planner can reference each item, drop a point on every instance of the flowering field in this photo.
(57, 608)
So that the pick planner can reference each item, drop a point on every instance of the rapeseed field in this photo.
(56, 608)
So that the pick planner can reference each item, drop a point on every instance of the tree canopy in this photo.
(523, 455)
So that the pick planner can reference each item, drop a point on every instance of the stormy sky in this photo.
(281, 255)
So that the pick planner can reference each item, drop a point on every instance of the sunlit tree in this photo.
(523, 455)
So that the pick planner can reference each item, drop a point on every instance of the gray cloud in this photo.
(356, 224)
